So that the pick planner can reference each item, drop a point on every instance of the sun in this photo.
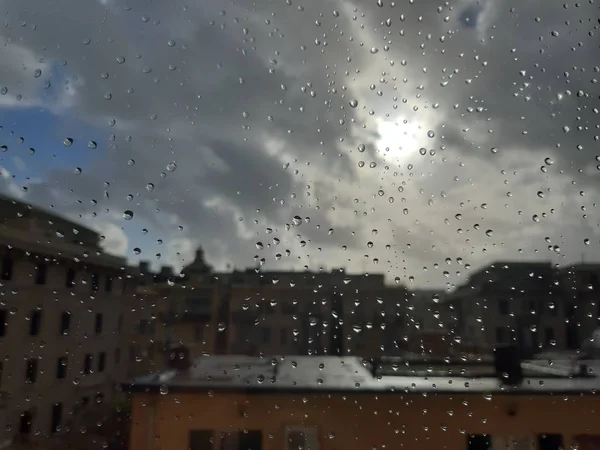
(400, 139)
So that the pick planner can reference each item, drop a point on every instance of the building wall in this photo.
(99, 323)
(355, 420)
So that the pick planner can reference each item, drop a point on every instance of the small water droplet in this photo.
(128, 214)
(92, 144)
(68, 142)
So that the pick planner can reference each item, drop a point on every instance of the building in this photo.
(523, 302)
(66, 317)
(330, 402)
(251, 313)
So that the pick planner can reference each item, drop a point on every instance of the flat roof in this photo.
(330, 374)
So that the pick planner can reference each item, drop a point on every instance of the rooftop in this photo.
(293, 374)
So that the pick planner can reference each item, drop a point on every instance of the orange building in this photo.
(335, 403)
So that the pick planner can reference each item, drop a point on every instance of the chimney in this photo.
(144, 267)
(507, 363)
(179, 358)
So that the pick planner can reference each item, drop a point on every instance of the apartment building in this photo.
(66, 314)
(327, 402)
(249, 312)
(532, 303)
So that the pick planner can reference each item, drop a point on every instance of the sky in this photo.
(418, 139)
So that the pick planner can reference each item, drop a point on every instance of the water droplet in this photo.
(137, 251)
(430, 134)
(128, 214)
(489, 233)
(171, 167)
(164, 389)
(37, 73)
(374, 50)
(92, 144)
(297, 220)
(68, 142)
(150, 187)
(3, 148)
(120, 59)
(221, 326)
(353, 103)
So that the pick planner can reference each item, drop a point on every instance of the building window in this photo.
(266, 334)
(61, 367)
(101, 361)
(41, 274)
(120, 323)
(198, 333)
(108, 283)
(87, 364)
(7, 268)
(305, 438)
(35, 322)
(3, 323)
(117, 355)
(503, 307)
(242, 440)
(143, 326)
(550, 442)
(201, 440)
(31, 371)
(95, 281)
(65, 323)
(549, 336)
(71, 274)
(479, 442)
(98, 323)
(57, 411)
(25, 422)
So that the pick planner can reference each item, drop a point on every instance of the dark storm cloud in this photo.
(252, 102)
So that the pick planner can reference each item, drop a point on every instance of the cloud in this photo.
(378, 126)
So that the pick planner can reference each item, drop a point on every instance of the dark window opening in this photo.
(95, 281)
(98, 323)
(35, 322)
(25, 422)
(108, 284)
(57, 411)
(71, 273)
(7, 268)
(3, 324)
(65, 323)
(31, 371)
(117, 355)
(87, 364)
(550, 442)
(549, 336)
(101, 361)
(41, 274)
(61, 367)
(249, 440)
(120, 322)
(201, 440)
(479, 442)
